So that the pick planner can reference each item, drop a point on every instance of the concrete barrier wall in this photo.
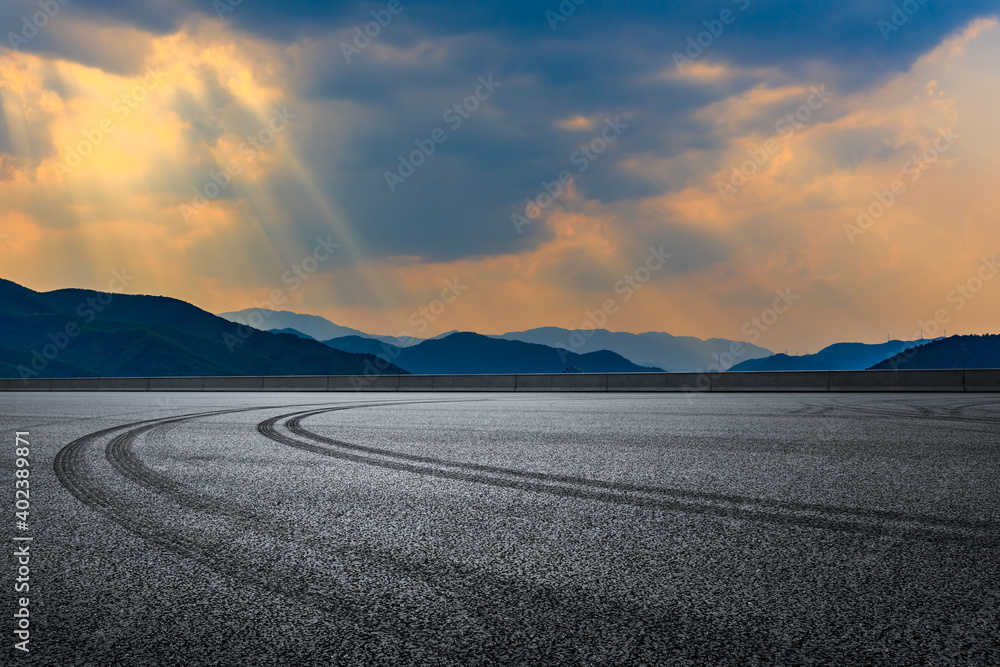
(295, 383)
(30, 384)
(374, 382)
(123, 384)
(341, 382)
(888, 380)
(982, 380)
(470, 382)
(416, 382)
(74, 384)
(496, 382)
(234, 384)
(176, 384)
(973, 380)
(642, 382)
(637, 382)
(562, 382)
(772, 381)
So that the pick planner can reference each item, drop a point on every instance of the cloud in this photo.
(655, 183)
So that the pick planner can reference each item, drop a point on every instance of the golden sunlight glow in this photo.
(109, 171)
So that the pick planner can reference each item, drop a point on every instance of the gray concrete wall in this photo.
(295, 383)
(473, 382)
(982, 380)
(123, 384)
(234, 384)
(943, 380)
(374, 382)
(772, 381)
(417, 382)
(790, 381)
(562, 382)
(74, 384)
(176, 384)
(31, 384)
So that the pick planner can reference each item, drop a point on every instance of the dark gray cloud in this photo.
(607, 60)
(765, 33)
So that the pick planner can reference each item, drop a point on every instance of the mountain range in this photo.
(313, 326)
(85, 333)
(472, 353)
(952, 352)
(836, 357)
(653, 348)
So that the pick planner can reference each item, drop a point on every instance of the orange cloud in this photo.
(208, 88)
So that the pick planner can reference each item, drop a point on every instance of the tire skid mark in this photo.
(120, 453)
(924, 413)
(958, 411)
(294, 425)
(71, 470)
(733, 507)
(485, 597)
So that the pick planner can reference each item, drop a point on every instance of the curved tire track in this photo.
(120, 453)
(923, 413)
(809, 515)
(72, 471)
(550, 621)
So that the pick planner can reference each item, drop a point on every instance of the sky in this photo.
(788, 173)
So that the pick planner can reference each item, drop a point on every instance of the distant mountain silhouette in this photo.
(291, 332)
(314, 326)
(74, 332)
(836, 357)
(473, 353)
(651, 349)
(952, 352)
(672, 353)
(364, 345)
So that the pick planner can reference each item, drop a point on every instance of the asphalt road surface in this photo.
(547, 529)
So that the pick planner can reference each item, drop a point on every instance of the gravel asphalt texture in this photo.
(520, 529)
